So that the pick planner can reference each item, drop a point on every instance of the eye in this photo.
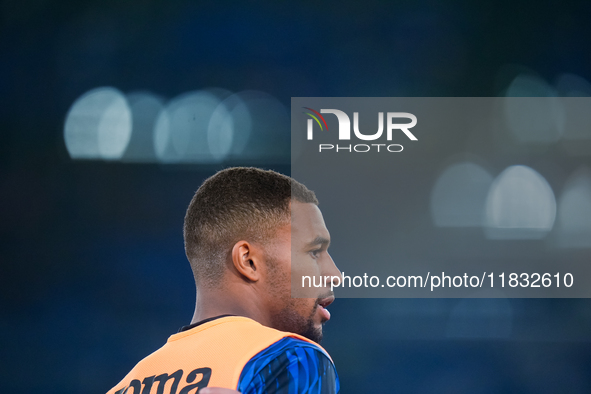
(315, 253)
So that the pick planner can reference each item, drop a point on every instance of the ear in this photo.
(246, 258)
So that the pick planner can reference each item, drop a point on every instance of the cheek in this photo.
(279, 287)
(286, 299)
(302, 264)
(304, 269)
(305, 306)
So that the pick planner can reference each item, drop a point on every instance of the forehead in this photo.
(307, 222)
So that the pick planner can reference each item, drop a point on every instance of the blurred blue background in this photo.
(93, 273)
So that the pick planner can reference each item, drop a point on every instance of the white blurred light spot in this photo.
(98, 125)
(533, 113)
(573, 224)
(571, 85)
(181, 132)
(459, 195)
(576, 140)
(220, 141)
(229, 128)
(162, 146)
(251, 125)
(520, 205)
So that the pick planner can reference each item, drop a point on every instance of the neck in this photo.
(216, 302)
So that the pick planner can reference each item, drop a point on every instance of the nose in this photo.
(332, 270)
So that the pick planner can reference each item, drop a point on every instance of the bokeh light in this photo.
(576, 140)
(573, 224)
(459, 195)
(230, 118)
(519, 205)
(539, 121)
(98, 125)
(181, 132)
(200, 127)
(571, 85)
(161, 138)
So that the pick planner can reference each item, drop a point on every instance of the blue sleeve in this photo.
(289, 366)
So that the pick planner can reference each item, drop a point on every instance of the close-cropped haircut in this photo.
(240, 203)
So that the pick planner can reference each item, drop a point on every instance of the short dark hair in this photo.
(236, 203)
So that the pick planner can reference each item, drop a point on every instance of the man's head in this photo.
(239, 231)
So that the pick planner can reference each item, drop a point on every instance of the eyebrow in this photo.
(319, 241)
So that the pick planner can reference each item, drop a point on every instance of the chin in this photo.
(315, 334)
(290, 320)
